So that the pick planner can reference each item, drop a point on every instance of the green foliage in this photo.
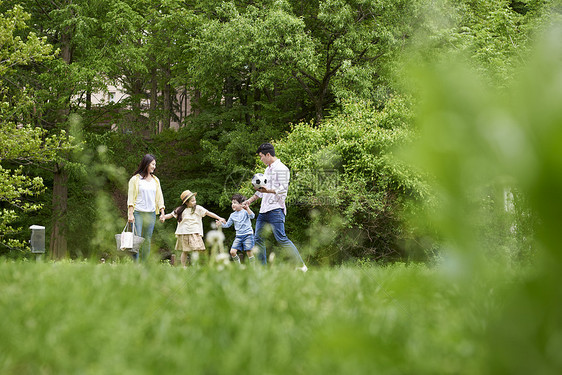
(478, 141)
(345, 169)
(20, 142)
(495, 35)
(417, 320)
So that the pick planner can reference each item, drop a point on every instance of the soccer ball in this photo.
(259, 180)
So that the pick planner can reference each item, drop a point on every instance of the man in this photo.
(273, 208)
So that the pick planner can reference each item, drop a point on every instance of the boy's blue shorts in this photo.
(244, 242)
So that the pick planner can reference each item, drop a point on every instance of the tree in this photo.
(291, 54)
(20, 142)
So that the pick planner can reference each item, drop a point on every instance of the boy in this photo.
(241, 218)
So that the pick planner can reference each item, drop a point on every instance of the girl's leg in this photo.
(184, 257)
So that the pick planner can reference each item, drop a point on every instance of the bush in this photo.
(345, 171)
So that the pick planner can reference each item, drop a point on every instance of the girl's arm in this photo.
(164, 217)
(214, 216)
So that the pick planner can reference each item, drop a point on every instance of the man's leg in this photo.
(278, 226)
(260, 241)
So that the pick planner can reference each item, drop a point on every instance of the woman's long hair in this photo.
(143, 166)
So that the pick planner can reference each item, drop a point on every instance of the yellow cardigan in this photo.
(134, 191)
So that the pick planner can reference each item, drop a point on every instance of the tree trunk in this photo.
(167, 98)
(154, 100)
(196, 103)
(58, 245)
(229, 92)
(319, 106)
(88, 99)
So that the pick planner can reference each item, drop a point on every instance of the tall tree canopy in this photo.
(20, 142)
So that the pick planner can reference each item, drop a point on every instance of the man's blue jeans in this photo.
(144, 226)
(276, 218)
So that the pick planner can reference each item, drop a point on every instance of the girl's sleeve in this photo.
(201, 211)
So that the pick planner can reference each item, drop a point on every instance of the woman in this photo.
(144, 200)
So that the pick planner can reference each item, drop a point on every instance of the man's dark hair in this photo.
(238, 198)
(266, 148)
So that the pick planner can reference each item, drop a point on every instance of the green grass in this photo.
(66, 318)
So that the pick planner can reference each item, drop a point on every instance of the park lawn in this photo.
(84, 318)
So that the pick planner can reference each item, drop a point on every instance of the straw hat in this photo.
(186, 195)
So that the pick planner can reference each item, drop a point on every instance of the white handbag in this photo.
(127, 238)
(129, 241)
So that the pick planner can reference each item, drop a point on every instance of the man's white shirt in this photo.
(278, 176)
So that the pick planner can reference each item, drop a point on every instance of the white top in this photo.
(146, 198)
(278, 176)
(191, 222)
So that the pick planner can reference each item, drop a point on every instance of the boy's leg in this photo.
(248, 245)
(236, 246)
(234, 255)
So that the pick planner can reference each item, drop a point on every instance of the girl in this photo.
(189, 232)
(144, 201)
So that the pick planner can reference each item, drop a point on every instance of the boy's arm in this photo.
(250, 200)
(250, 212)
(229, 222)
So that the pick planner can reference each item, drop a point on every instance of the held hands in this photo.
(220, 221)
(162, 218)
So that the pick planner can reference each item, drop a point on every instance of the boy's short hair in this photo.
(266, 148)
(238, 198)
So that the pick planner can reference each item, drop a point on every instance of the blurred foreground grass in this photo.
(63, 318)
